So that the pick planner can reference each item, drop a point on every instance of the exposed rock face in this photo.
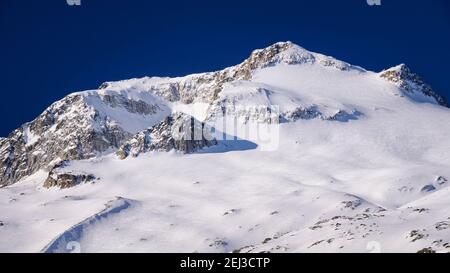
(132, 106)
(68, 129)
(313, 112)
(58, 178)
(402, 76)
(177, 132)
(66, 180)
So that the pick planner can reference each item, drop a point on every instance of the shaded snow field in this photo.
(330, 186)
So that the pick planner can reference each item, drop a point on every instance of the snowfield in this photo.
(366, 170)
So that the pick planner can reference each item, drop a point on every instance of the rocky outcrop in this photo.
(69, 129)
(177, 132)
(313, 112)
(132, 106)
(402, 76)
(65, 179)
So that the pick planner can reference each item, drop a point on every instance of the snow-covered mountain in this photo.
(344, 159)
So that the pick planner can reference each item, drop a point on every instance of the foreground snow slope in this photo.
(361, 164)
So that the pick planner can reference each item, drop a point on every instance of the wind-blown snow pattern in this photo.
(360, 162)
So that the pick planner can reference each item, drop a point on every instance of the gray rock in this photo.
(68, 129)
(428, 188)
(59, 178)
(441, 180)
(179, 132)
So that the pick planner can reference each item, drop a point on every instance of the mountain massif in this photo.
(289, 150)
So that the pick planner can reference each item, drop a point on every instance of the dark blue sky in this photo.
(49, 49)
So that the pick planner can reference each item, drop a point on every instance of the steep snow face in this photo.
(360, 159)
(325, 92)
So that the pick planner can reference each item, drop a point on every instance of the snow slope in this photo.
(361, 164)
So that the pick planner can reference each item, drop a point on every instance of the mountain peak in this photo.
(289, 53)
(402, 76)
(402, 70)
(282, 45)
(280, 52)
(278, 47)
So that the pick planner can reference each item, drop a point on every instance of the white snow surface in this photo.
(330, 186)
